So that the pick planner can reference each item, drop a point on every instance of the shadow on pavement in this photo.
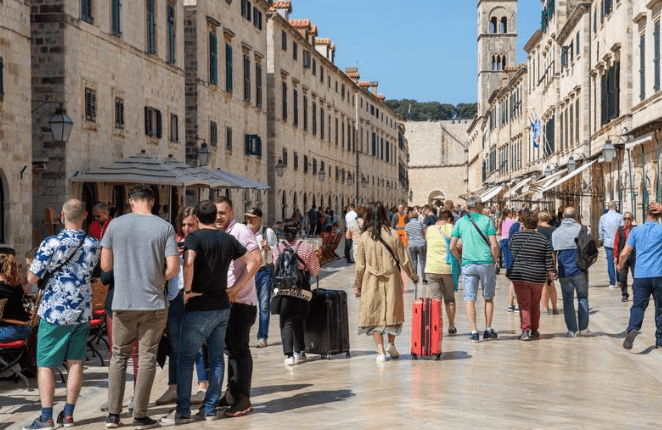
(303, 400)
(269, 389)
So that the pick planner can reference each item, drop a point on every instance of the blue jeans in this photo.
(196, 328)
(11, 333)
(642, 289)
(568, 287)
(610, 265)
(175, 317)
(264, 286)
(417, 257)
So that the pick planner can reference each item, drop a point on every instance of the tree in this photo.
(412, 110)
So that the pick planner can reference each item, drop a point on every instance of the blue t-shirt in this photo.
(647, 242)
(68, 294)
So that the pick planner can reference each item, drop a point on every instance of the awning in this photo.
(542, 182)
(491, 193)
(639, 141)
(513, 190)
(568, 176)
(143, 169)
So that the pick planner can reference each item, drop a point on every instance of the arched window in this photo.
(503, 63)
(494, 63)
(493, 25)
(283, 214)
(504, 25)
(305, 201)
(294, 202)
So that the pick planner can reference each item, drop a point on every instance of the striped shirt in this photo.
(415, 233)
(532, 257)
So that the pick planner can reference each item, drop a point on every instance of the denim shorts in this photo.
(472, 274)
(57, 343)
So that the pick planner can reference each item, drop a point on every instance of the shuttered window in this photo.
(150, 27)
(90, 105)
(642, 67)
(119, 113)
(174, 128)
(253, 145)
(549, 137)
(295, 105)
(305, 113)
(322, 123)
(228, 138)
(258, 84)
(284, 101)
(116, 17)
(2, 79)
(170, 25)
(86, 10)
(314, 118)
(656, 59)
(213, 133)
(153, 122)
(247, 78)
(213, 58)
(228, 67)
(577, 120)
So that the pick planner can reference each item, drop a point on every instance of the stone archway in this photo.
(436, 195)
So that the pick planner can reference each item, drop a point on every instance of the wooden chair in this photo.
(14, 353)
(98, 327)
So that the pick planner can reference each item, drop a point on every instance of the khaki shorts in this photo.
(441, 286)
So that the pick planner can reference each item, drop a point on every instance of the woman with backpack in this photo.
(293, 308)
(379, 259)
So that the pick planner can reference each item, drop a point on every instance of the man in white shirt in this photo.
(609, 223)
(349, 217)
(264, 278)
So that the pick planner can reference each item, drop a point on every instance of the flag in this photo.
(535, 132)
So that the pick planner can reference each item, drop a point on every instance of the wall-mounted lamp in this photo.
(350, 179)
(60, 124)
(322, 174)
(279, 168)
(203, 154)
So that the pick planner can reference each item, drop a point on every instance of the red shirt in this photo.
(627, 231)
(97, 230)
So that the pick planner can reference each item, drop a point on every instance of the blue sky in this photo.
(417, 49)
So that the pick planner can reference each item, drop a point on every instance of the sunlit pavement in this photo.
(554, 382)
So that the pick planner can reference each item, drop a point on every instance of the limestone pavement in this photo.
(554, 382)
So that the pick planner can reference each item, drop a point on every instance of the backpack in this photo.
(587, 249)
(287, 274)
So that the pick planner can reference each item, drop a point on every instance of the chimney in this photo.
(284, 8)
(373, 86)
(325, 47)
(353, 73)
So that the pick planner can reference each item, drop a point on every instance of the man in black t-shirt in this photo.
(208, 255)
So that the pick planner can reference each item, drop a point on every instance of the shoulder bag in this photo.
(41, 284)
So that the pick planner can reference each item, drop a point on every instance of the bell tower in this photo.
(497, 45)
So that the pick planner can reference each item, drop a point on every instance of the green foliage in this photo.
(432, 111)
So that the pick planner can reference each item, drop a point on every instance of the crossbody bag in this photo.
(509, 270)
(388, 248)
(44, 281)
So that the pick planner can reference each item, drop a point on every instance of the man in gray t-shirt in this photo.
(141, 250)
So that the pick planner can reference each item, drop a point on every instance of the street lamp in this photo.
(572, 164)
(203, 154)
(322, 174)
(60, 125)
(548, 171)
(364, 182)
(609, 151)
(279, 168)
(350, 179)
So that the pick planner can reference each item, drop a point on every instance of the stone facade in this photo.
(592, 80)
(323, 119)
(15, 127)
(119, 73)
(437, 164)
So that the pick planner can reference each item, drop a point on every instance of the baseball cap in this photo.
(254, 212)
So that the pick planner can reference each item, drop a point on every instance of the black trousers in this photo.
(291, 333)
(240, 361)
(623, 275)
(348, 250)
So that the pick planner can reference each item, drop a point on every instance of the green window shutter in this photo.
(258, 84)
(2, 79)
(642, 67)
(159, 123)
(228, 67)
(213, 58)
(116, 18)
(617, 89)
(603, 99)
(86, 10)
(171, 32)
(656, 58)
(151, 27)
(577, 43)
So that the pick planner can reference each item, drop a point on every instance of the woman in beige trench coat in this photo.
(378, 282)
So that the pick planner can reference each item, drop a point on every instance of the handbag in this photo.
(41, 284)
(509, 270)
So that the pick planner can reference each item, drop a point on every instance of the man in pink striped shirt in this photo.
(242, 315)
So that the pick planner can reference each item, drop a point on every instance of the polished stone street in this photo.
(555, 382)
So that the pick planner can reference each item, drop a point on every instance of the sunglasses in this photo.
(627, 219)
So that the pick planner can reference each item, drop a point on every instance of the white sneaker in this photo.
(392, 351)
(170, 396)
(198, 397)
(299, 357)
(612, 286)
(586, 333)
(261, 343)
(289, 361)
(571, 333)
(380, 358)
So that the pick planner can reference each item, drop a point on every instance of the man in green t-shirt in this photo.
(479, 253)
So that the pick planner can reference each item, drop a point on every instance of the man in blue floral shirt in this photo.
(66, 308)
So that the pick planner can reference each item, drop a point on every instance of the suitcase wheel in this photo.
(414, 357)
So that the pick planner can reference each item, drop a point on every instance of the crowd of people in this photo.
(207, 279)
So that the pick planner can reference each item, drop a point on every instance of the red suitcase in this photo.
(427, 328)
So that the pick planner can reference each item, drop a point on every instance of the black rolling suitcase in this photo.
(327, 326)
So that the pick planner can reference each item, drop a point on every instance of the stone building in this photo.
(592, 84)
(337, 142)
(226, 89)
(15, 127)
(437, 163)
(117, 68)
